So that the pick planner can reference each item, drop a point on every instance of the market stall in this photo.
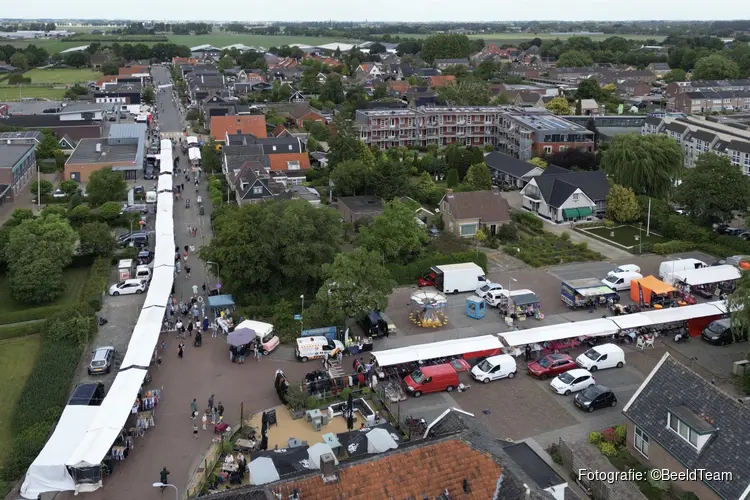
(651, 291)
(707, 282)
(588, 292)
(221, 305)
(522, 305)
(557, 337)
(485, 345)
(194, 154)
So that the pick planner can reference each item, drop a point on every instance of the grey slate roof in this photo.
(11, 154)
(269, 145)
(508, 165)
(674, 387)
(702, 135)
(86, 153)
(675, 127)
(653, 120)
(742, 146)
(557, 184)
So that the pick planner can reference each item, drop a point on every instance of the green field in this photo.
(12, 93)
(62, 76)
(74, 278)
(17, 358)
(626, 236)
(525, 37)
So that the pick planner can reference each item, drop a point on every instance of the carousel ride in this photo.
(427, 309)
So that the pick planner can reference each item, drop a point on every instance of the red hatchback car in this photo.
(551, 365)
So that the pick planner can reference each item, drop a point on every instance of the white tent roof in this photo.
(145, 336)
(635, 320)
(317, 450)
(436, 350)
(194, 154)
(109, 421)
(674, 314)
(591, 328)
(48, 471)
(706, 275)
(263, 471)
(379, 440)
(165, 183)
(191, 139)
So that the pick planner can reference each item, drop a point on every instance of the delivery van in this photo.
(151, 197)
(621, 281)
(670, 267)
(720, 332)
(315, 347)
(435, 378)
(143, 273)
(625, 268)
(495, 368)
(601, 357)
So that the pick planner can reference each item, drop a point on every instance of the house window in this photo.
(575, 197)
(468, 229)
(548, 150)
(683, 430)
(258, 190)
(292, 165)
(640, 441)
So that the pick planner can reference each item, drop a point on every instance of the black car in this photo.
(720, 332)
(133, 239)
(88, 394)
(374, 325)
(594, 397)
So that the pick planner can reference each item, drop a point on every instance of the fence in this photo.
(583, 456)
(206, 465)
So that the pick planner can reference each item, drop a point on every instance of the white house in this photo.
(561, 195)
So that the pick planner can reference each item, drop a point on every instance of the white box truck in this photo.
(455, 278)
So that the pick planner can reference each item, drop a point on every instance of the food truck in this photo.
(586, 293)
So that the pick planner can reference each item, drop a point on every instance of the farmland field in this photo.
(13, 93)
(62, 76)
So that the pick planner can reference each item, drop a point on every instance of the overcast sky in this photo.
(380, 10)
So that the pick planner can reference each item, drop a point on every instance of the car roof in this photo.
(558, 356)
(133, 280)
(578, 372)
(601, 389)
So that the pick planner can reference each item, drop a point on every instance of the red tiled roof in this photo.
(133, 69)
(427, 470)
(279, 130)
(184, 60)
(246, 124)
(106, 79)
(442, 81)
(398, 86)
(279, 161)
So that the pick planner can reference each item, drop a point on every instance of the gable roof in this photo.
(485, 205)
(442, 81)
(672, 386)
(557, 184)
(508, 164)
(245, 124)
(279, 162)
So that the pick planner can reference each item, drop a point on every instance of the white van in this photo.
(151, 197)
(497, 297)
(143, 273)
(602, 356)
(670, 267)
(315, 347)
(495, 368)
(625, 268)
(621, 281)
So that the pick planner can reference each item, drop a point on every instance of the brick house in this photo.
(465, 213)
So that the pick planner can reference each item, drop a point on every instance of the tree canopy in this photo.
(395, 235)
(558, 106)
(352, 178)
(648, 164)
(713, 189)
(106, 185)
(715, 67)
(588, 89)
(465, 92)
(478, 178)
(574, 59)
(445, 46)
(622, 205)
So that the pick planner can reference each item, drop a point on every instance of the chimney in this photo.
(449, 194)
(328, 468)
(98, 147)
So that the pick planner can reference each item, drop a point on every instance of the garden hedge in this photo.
(20, 329)
(29, 314)
(96, 284)
(408, 274)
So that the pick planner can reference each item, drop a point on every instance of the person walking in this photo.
(187, 272)
(214, 328)
(340, 355)
(181, 350)
(211, 402)
(257, 352)
(214, 413)
(196, 313)
(205, 323)
(195, 289)
(220, 410)
(194, 408)
(195, 431)
(190, 329)
(164, 478)
(326, 363)
(204, 421)
(527, 352)
(179, 326)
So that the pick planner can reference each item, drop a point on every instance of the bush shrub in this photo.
(554, 453)
(75, 324)
(507, 233)
(407, 274)
(609, 435)
(36, 313)
(595, 437)
(621, 434)
(13, 331)
(96, 284)
(596, 223)
(608, 449)
(548, 250)
(528, 221)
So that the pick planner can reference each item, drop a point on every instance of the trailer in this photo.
(586, 292)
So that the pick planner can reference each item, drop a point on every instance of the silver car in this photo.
(102, 360)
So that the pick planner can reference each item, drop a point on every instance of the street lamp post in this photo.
(302, 314)
(167, 485)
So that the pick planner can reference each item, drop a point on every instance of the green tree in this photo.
(426, 191)
(558, 106)
(675, 75)
(284, 324)
(357, 283)
(395, 235)
(148, 96)
(380, 92)
(539, 162)
(43, 187)
(486, 70)
(76, 59)
(273, 250)
(478, 178)
(574, 59)
(622, 206)
(48, 236)
(352, 178)
(739, 305)
(96, 239)
(579, 111)
(466, 92)
(391, 178)
(226, 63)
(588, 89)
(333, 89)
(69, 187)
(79, 215)
(648, 164)
(452, 178)
(37, 282)
(106, 185)
(20, 61)
(111, 67)
(109, 212)
(715, 67)
(446, 47)
(346, 146)
(58, 210)
(210, 157)
(713, 189)
(49, 146)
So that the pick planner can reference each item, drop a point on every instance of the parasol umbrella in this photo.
(350, 412)
(241, 336)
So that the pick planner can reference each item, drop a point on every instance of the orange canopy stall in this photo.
(648, 287)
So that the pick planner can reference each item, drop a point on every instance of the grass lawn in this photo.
(625, 235)
(74, 277)
(62, 76)
(13, 93)
(17, 358)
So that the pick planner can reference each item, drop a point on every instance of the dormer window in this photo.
(683, 429)
(694, 429)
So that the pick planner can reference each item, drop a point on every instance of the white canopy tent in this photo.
(707, 275)
(629, 321)
(143, 341)
(675, 314)
(109, 421)
(591, 328)
(164, 227)
(191, 139)
(442, 349)
(194, 154)
(164, 183)
(160, 288)
(48, 471)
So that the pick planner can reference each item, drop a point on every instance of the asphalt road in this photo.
(169, 117)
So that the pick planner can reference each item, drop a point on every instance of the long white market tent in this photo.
(591, 328)
(685, 313)
(194, 154)
(707, 275)
(444, 349)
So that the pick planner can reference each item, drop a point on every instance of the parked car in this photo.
(572, 381)
(102, 360)
(461, 365)
(91, 394)
(135, 208)
(127, 287)
(137, 239)
(59, 193)
(595, 397)
(482, 291)
(720, 332)
(426, 280)
(551, 365)
(733, 231)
